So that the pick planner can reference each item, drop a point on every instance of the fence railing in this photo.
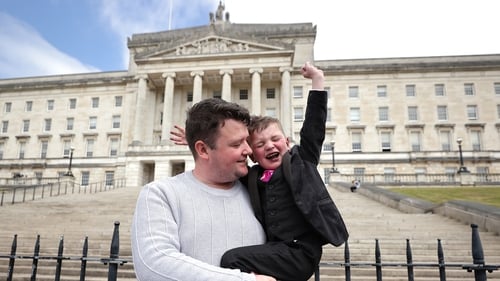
(478, 267)
(416, 179)
(23, 192)
(112, 261)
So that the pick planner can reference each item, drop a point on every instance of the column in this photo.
(226, 83)
(285, 101)
(256, 100)
(168, 104)
(140, 107)
(197, 85)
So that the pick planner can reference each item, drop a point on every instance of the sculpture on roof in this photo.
(219, 13)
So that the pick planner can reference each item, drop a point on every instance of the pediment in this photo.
(211, 45)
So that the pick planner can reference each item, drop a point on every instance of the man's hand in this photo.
(179, 136)
(259, 277)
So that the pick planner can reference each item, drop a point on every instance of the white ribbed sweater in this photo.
(181, 228)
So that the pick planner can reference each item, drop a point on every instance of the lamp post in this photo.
(333, 170)
(462, 168)
(69, 173)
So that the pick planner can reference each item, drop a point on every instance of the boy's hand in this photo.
(315, 74)
(179, 136)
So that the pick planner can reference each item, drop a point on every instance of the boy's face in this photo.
(269, 146)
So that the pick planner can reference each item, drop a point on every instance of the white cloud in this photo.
(23, 52)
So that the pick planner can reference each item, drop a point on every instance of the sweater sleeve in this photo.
(156, 248)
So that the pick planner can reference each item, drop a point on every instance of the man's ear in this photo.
(201, 149)
(288, 142)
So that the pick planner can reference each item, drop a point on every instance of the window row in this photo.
(411, 90)
(50, 104)
(90, 145)
(415, 141)
(70, 124)
(442, 114)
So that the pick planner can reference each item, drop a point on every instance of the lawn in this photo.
(485, 195)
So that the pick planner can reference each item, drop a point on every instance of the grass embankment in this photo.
(484, 195)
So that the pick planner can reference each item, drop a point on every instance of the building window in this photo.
(116, 121)
(412, 113)
(113, 147)
(498, 111)
(354, 114)
(66, 148)
(92, 122)
(382, 91)
(475, 137)
(110, 178)
(90, 147)
(22, 149)
(415, 140)
(95, 102)
(72, 103)
(1, 149)
(5, 126)
(356, 141)
(410, 91)
(442, 112)
(43, 150)
(118, 101)
(298, 114)
(217, 94)
(270, 93)
(26, 126)
(472, 112)
(50, 105)
(270, 111)
(385, 141)
(297, 92)
(243, 94)
(85, 178)
(7, 107)
(469, 89)
(328, 115)
(70, 121)
(497, 88)
(189, 97)
(47, 125)
(445, 139)
(439, 90)
(389, 174)
(353, 92)
(29, 106)
(383, 113)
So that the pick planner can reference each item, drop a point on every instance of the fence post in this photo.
(114, 253)
(83, 266)
(409, 261)
(59, 259)
(378, 261)
(347, 259)
(36, 255)
(12, 258)
(442, 266)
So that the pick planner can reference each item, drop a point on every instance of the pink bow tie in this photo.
(266, 176)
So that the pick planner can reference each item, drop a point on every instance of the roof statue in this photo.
(219, 14)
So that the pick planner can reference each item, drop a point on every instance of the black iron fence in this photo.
(416, 179)
(27, 191)
(478, 267)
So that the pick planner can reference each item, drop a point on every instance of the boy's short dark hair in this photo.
(206, 117)
(259, 123)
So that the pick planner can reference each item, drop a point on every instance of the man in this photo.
(183, 225)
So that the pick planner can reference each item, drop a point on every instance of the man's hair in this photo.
(206, 117)
(260, 123)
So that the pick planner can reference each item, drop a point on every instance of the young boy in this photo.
(288, 195)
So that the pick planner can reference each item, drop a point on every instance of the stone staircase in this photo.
(76, 216)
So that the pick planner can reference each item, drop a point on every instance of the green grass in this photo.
(484, 195)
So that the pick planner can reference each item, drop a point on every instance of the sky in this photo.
(52, 37)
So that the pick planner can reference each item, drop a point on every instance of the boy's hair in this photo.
(206, 117)
(260, 123)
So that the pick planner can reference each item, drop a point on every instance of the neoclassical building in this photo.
(391, 115)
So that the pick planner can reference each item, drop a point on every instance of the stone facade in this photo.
(395, 115)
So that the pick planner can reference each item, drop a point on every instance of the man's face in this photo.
(229, 158)
(269, 146)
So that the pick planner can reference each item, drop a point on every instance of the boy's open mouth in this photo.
(272, 155)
